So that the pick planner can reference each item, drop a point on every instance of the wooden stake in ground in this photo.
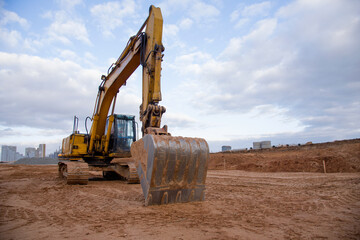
(324, 166)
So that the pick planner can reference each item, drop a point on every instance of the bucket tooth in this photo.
(171, 169)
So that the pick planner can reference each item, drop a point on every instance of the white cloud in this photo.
(168, 6)
(69, 4)
(170, 30)
(242, 22)
(185, 23)
(234, 15)
(110, 15)
(257, 9)
(170, 36)
(64, 28)
(203, 12)
(209, 40)
(7, 17)
(262, 31)
(244, 14)
(45, 93)
(190, 64)
(323, 27)
(89, 57)
(69, 55)
(10, 38)
(179, 120)
(199, 11)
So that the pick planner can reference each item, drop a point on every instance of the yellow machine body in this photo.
(74, 145)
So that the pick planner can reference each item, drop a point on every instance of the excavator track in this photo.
(74, 172)
(133, 176)
(125, 169)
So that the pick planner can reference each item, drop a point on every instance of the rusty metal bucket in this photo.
(171, 169)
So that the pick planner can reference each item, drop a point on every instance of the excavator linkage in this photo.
(171, 169)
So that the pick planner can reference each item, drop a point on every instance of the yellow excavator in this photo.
(170, 169)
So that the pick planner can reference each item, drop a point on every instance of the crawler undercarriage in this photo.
(77, 171)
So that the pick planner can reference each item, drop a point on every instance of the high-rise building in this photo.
(8, 153)
(41, 150)
(18, 156)
(30, 152)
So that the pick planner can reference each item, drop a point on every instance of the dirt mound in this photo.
(36, 161)
(338, 156)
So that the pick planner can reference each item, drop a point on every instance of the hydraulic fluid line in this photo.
(87, 132)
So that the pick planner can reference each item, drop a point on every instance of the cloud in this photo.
(194, 10)
(303, 59)
(203, 12)
(64, 28)
(171, 30)
(10, 38)
(68, 54)
(69, 4)
(186, 23)
(44, 93)
(7, 17)
(245, 14)
(179, 120)
(7, 132)
(47, 93)
(110, 15)
(257, 9)
(191, 64)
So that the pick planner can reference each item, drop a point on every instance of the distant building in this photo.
(41, 151)
(8, 153)
(256, 145)
(18, 156)
(265, 144)
(55, 154)
(226, 148)
(30, 152)
(262, 145)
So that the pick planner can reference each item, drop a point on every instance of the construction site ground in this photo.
(243, 201)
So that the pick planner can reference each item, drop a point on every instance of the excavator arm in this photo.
(145, 48)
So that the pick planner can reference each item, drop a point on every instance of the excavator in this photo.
(170, 169)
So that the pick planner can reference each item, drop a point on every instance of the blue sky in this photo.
(234, 72)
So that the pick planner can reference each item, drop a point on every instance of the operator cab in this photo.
(123, 133)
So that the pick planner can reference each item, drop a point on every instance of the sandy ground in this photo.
(35, 204)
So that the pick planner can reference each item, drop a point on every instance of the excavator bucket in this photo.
(171, 169)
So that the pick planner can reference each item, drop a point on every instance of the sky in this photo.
(234, 72)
